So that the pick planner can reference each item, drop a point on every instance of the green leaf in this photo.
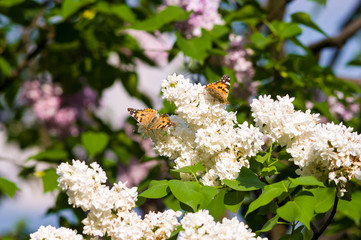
(262, 159)
(172, 203)
(191, 169)
(8, 187)
(5, 68)
(306, 181)
(301, 209)
(322, 2)
(246, 181)
(187, 192)
(306, 204)
(289, 211)
(218, 31)
(122, 11)
(285, 30)
(351, 208)
(260, 41)
(208, 193)
(156, 189)
(10, 3)
(94, 142)
(247, 12)
(50, 155)
(269, 171)
(305, 19)
(296, 79)
(196, 47)
(233, 200)
(168, 15)
(270, 192)
(356, 61)
(174, 235)
(324, 199)
(269, 224)
(50, 180)
(216, 207)
(69, 7)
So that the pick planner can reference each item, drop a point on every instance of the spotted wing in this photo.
(163, 121)
(220, 89)
(145, 117)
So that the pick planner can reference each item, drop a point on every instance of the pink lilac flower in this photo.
(204, 15)
(32, 92)
(237, 59)
(65, 116)
(55, 110)
(344, 112)
(45, 108)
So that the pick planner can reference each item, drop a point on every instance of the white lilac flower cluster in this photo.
(50, 232)
(204, 132)
(326, 151)
(200, 225)
(204, 15)
(109, 211)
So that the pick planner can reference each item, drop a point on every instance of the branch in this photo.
(277, 9)
(339, 40)
(318, 233)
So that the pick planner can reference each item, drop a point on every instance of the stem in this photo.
(338, 41)
(270, 152)
(195, 177)
(317, 233)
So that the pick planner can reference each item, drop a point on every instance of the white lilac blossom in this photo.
(204, 15)
(204, 132)
(201, 225)
(109, 210)
(327, 151)
(49, 233)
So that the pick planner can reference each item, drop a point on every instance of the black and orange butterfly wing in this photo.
(162, 121)
(220, 89)
(145, 117)
(149, 120)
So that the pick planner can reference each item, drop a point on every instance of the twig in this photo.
(278, 11)
(318, 233)
(339, 40)
(350, 18)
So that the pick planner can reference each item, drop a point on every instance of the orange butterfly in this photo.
(149, 120)
(219, 90)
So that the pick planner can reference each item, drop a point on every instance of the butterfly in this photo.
(149, 120)
(220, 89)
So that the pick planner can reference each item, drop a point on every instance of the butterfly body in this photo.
(220, 89)
(149, 120)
